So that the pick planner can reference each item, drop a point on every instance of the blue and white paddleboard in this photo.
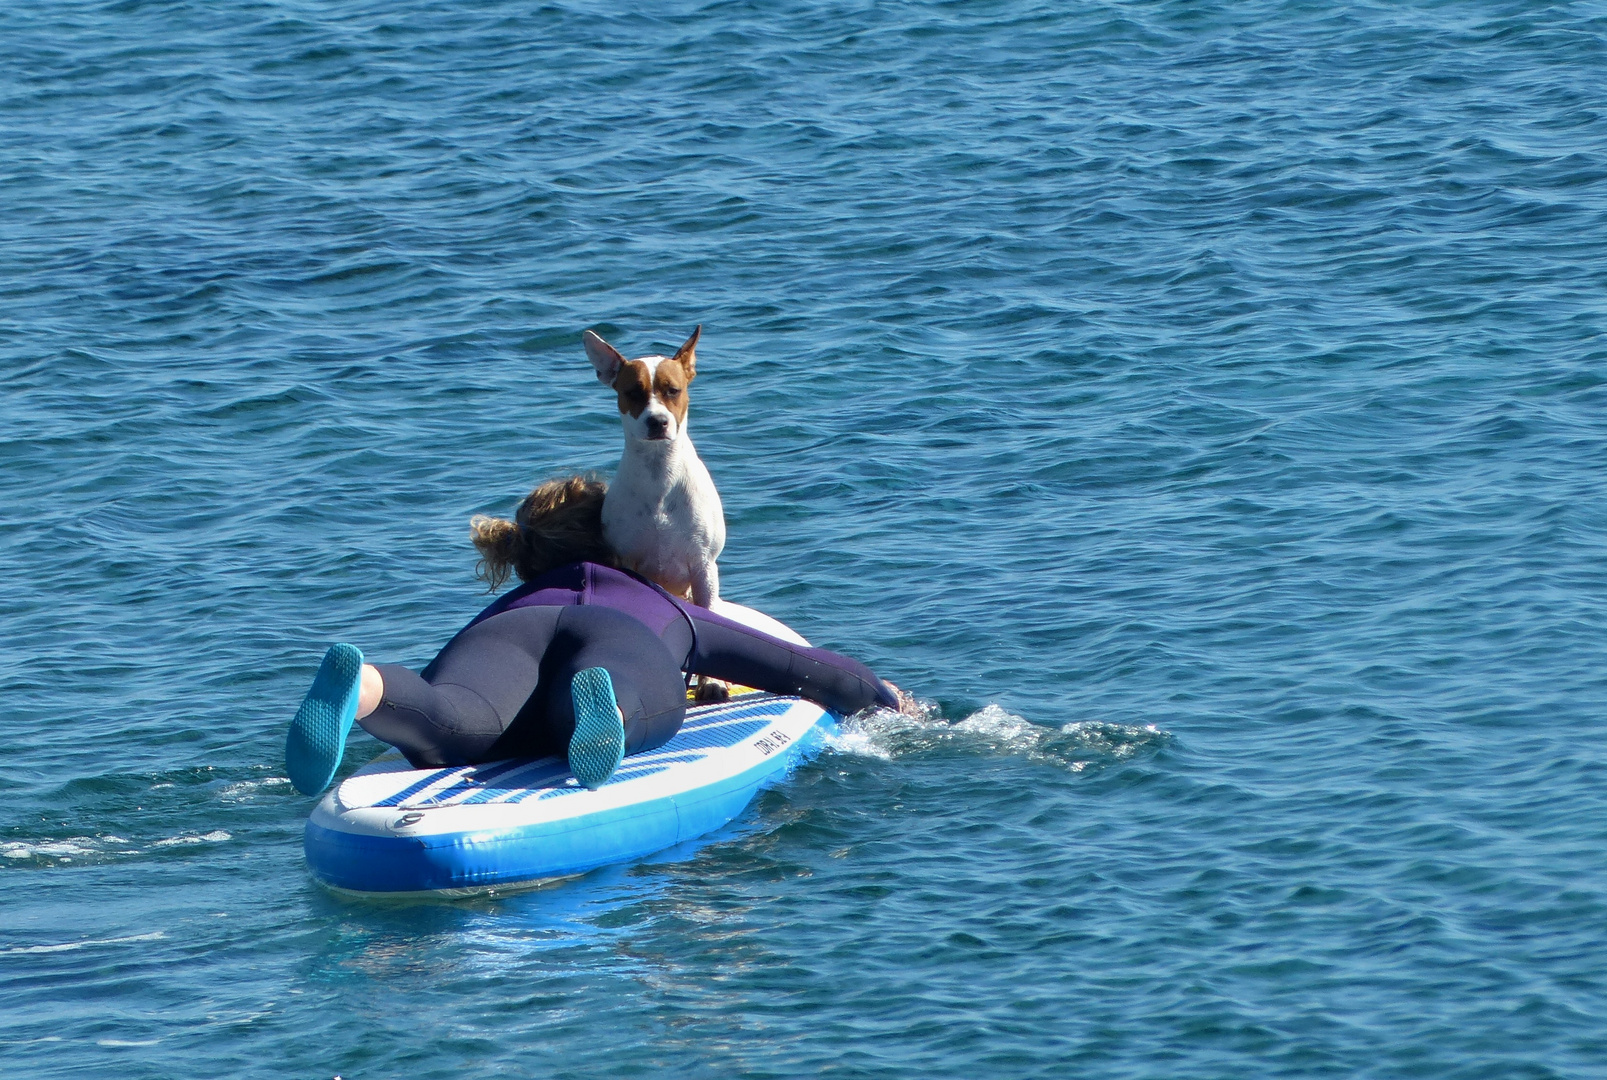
(391, 828)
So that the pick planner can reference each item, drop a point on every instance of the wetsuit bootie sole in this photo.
(317, 738)
(598, 744)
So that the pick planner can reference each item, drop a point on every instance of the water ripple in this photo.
(1200, 406)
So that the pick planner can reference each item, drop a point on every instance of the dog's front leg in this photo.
(706, 584)
(710, 689)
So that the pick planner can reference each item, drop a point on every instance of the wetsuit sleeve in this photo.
(727, 650)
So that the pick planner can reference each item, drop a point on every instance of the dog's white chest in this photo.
(663, 516)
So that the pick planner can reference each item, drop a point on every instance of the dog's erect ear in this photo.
(603, 356)
(687, 354)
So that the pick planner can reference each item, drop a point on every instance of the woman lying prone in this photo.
(583, 659)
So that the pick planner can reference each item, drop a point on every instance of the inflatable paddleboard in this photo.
(390, 828)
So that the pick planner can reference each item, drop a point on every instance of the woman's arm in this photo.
(726, 649)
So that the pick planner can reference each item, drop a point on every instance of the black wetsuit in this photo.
(500, 687)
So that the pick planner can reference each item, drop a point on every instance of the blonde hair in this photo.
(560, 522)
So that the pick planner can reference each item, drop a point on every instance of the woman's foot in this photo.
(317, 737)
(598, 744)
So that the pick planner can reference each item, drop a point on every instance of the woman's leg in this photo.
(370, 689)
(445, 724)
(477, 687)
(505, 688)
(647, 683)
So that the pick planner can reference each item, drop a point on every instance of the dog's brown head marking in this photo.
(686, 355)
(634, 384)
(639, 382)
(671, 377)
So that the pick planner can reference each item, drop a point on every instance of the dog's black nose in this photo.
(656, 427)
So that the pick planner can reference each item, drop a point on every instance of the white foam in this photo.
(1005, 728)
(855, 741)
(50, 849)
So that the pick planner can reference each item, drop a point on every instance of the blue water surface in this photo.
(1202, 405)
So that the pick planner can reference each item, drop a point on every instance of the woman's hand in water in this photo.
(907, 705)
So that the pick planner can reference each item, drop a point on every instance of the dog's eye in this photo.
(672, 391)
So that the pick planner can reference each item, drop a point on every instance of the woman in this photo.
(583, 659)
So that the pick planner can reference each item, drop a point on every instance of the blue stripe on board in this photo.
(720, 735)
(542, 771)
(700, 715)
(657, 765)
(415, 787)
(771, 707)
(479, 781)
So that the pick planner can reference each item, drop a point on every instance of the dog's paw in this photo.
(710, 690)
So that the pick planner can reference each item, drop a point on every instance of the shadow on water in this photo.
(555, 921)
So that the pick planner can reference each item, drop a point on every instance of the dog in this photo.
(662, 515)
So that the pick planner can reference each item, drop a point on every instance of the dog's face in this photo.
(652, 389)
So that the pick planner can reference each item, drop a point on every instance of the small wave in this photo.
(69, 946)
(63, 850)
(249, 789)
(215, 837)
(97, 848)
(884, 734)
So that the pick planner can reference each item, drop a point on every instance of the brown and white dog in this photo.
(662, 515)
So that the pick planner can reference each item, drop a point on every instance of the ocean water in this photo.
(1201, 406)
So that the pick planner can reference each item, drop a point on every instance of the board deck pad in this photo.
(392, 828)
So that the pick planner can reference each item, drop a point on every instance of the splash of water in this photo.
(885, 734)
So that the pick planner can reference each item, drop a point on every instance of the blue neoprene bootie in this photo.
(598, 744)
(317, 736)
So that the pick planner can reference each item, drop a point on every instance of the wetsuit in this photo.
(500, 687)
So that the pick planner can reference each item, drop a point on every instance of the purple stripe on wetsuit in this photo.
(593, 583)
